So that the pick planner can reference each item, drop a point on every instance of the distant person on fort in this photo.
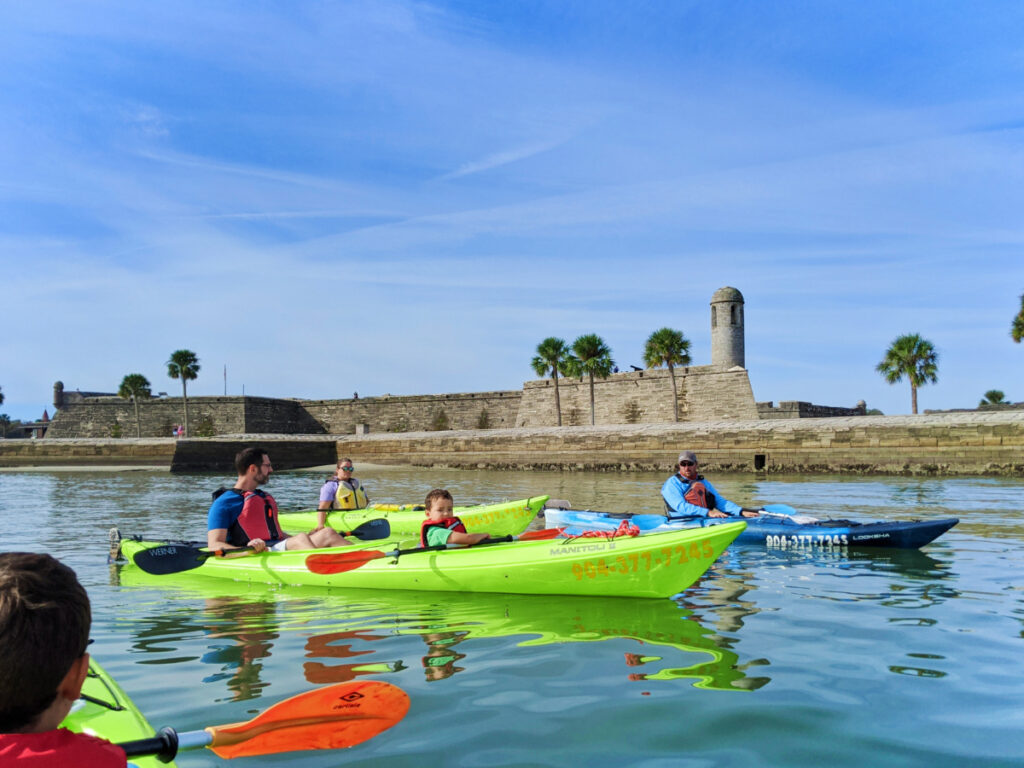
(341, 491)
(688, 494)
(245, 516)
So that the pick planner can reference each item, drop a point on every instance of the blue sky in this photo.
(406, 197)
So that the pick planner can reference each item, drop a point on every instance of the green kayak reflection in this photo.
(348, 624)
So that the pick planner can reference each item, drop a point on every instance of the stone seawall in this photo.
(951, 444)
(185, 455)
(944, 444)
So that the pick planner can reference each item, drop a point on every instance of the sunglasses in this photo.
(347, 469)
(687, 463)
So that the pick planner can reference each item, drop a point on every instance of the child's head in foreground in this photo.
(439, 504)
(44, 630)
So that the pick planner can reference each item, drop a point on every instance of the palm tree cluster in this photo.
(183, 364)
(590, 356)
(993, 397)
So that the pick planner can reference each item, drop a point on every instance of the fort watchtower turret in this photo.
(727, 328)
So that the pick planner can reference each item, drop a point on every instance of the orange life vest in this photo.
(699, 496)
(452, 524)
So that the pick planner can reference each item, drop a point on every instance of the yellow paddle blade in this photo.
(334, 717)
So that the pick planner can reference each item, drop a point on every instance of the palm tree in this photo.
(592, 357)
(552, 357)
(913, 357)
(1016, 330)
(667, 346)
(183, 365)
(993, 397)
(1, 395)
(133, 386)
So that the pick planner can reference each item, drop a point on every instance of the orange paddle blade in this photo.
(544, 533)
(325, 718)
(339, 562)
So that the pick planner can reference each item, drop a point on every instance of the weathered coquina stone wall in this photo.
(405, 413)
(943, 444)
(103, 417)
(706, 393)
(208, 454)
(977, 443)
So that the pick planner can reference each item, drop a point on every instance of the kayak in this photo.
(624, 566)
(507, 518)
(771, 530)
(104, 710)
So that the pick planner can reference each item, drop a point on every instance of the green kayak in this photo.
(105, 710)
(508, 518)
(655, 566)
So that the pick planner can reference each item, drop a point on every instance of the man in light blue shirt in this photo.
(688, 494)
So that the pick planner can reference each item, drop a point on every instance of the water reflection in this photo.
(365, 626)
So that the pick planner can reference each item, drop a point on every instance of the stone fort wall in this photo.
(106, 416)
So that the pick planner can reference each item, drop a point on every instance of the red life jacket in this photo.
(452, 524)
(699, 496)
(257, 520)
(59, 747)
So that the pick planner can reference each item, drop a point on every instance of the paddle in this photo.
(333, 717)
(339, 562)
(779, 509)
(177, 558)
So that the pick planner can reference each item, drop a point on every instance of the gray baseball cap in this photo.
(688, 456)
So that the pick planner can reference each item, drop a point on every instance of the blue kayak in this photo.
(770, 529)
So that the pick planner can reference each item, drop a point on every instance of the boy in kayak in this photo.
(341, 491)
(44, 630)
(442, 526)
(245, 516)
(688, 494)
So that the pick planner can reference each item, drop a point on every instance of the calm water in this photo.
(784, 658)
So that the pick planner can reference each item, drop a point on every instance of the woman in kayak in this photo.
(442, 526)
(44, 631)
(688, 494)
(341, 491)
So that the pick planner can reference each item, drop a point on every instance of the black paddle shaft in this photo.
(177, 558)
(163, 746)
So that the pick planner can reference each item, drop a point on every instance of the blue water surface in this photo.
(776, 658)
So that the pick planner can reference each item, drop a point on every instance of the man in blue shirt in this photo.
(245, 516)
(688, 494)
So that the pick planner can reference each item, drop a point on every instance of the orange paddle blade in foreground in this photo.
(327, 718)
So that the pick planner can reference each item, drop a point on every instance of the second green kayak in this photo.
(508, 518)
